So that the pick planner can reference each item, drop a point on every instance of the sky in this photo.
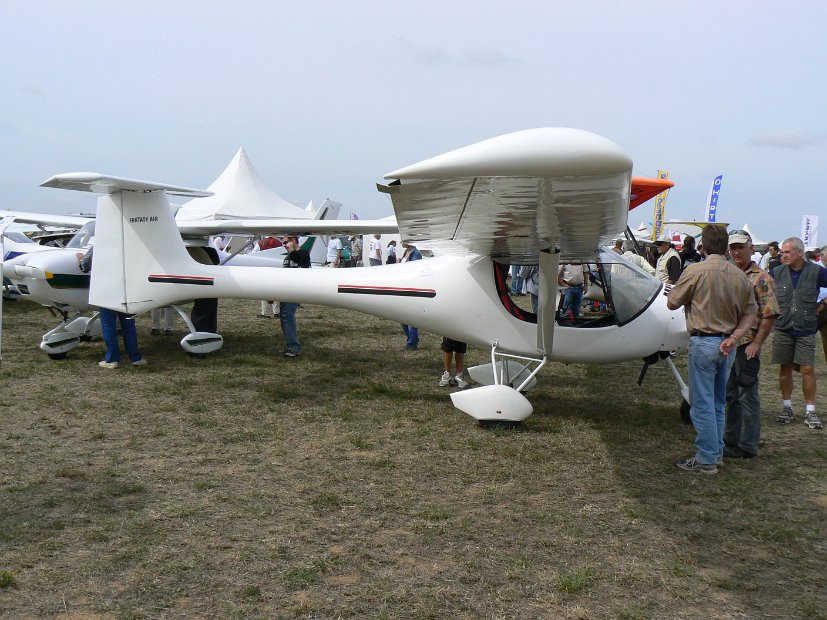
(327, 97)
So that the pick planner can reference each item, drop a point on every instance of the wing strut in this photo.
(547, 302)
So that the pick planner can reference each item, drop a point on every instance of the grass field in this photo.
(343, 484)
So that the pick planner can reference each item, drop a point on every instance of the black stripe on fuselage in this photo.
(182, 280)
(387, 290)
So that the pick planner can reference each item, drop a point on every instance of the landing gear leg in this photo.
(685, 405)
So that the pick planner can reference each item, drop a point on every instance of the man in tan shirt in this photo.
(720, 309)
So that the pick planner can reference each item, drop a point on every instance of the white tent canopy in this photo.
(240, 193)
(755, 240)
(642, 231)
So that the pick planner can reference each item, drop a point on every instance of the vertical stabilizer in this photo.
(136, 235)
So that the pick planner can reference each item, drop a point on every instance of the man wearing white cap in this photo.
(668, 268)
(743, 416)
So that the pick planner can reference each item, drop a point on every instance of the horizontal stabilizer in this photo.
(104, 184)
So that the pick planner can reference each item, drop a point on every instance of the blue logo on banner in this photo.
(714, 192)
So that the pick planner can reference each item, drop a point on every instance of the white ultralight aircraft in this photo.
(541, 196)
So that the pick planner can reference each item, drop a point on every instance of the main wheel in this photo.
(57, 356)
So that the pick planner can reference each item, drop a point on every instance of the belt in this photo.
(709, 335)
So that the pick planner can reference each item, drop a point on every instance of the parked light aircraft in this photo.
(52, 277)
(538, 196)
(14, 244)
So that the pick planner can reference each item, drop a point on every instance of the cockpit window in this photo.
(619, 290)
(83, 237)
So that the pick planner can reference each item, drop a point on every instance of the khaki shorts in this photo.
(799, 350)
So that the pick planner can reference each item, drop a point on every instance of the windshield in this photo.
(618, 292)
(83, 237)
(17, 236)
(628, 288)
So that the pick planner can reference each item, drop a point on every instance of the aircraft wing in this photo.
(196, 228)
(47, 219)
(513, 196)
(301, 227)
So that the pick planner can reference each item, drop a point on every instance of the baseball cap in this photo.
(663, 239)
(739, 236)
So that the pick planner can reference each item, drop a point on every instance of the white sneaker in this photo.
(460, 379)
(105, 364)
(811, 420)
(140, 362)
(445, 379)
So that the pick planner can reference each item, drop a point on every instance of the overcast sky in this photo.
(326, 97)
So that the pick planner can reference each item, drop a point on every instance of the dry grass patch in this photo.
(343, 484)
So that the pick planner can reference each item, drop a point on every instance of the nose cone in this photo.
(10, 263)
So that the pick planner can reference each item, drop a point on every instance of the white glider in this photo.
(535, 196)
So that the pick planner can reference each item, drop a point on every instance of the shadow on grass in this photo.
(750, 533)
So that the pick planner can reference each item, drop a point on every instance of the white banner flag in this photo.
(809, 230)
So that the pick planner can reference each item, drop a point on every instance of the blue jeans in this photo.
(109, 319)
(516, 280)
(412, 334)
(708, 376)
(287, 316)
(743, 416)
(573, 299)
